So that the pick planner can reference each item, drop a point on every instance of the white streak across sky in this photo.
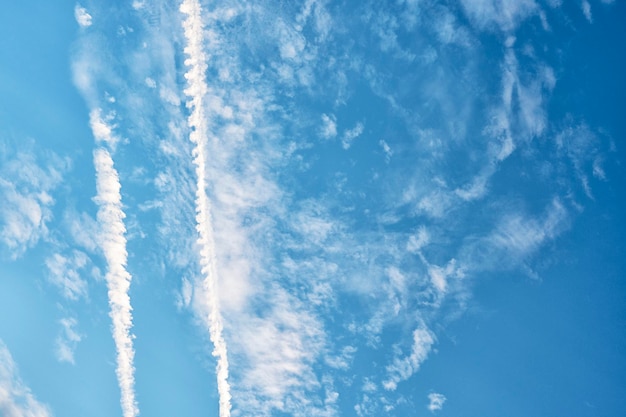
(196, 91)
(113, 244)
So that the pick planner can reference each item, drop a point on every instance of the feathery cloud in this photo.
(436, 401)
(65, 273)
(329, 126)
(351, 134)
(503, 14)
(403, 368)
(83, 18)
(25, 191)
(586, 8)
(16, 399)
(67, 341)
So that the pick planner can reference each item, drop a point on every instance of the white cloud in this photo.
(386, 149)
(385, 26)
(65, 273)
(503, 14)
(238, 164)
(342, 361)
(312, 223)
(516, 237)
(278, 351)
(417, 242)
(292, 42)
(449, 30)
(439, 276)
(586, 7)
(102, 128)
(185, 295)
(521, 235)
(270, 368)
(24, 219)
(82, 16)
(25, 192)
(529, 91)
(16, 399)
(83, 229)
(67, 341)
(403, 368)
(583, 148)
(329, 126)
(112, 241)
(150, 82)
(197, 63)
(436, 203)
(351, 134)
(435, 401)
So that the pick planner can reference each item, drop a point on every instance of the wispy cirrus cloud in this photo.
(515, 238)
(67, 341)
(585, 151)
(16, 399)
(83, 18)
(586, 8)
(351, 134)
(26, 189)
(505, 15)
(65, 273)
(436, 401)
(402, 368)
(287, 342)
(329, 126)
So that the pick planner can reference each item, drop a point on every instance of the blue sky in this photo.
(316, 208)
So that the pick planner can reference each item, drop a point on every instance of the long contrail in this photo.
(196, 90)
(113, 243)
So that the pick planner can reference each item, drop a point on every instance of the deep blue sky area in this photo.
(313, 209)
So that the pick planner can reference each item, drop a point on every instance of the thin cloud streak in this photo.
(113, 243)
(196, 90)
(403, 368)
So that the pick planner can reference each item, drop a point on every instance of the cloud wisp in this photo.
(83, 18)
(197, 88)
(436, 401)
(26, 192)
(402, 368)
(67, 341)
(16, 399)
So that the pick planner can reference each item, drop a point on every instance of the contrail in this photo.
(113, 243)
(196, 91)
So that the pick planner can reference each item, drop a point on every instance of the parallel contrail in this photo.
(113, 243)
(196, 91)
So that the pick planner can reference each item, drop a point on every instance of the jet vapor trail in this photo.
(196, 90)
(113, 243)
